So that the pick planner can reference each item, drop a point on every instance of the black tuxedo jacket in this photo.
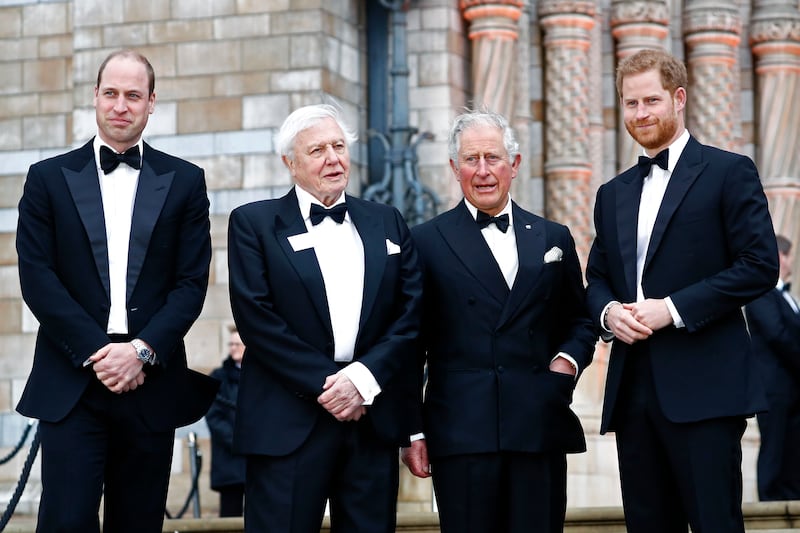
(64, 275)
(488, 349)
(775, 331)
(279, 305)
(712, 250)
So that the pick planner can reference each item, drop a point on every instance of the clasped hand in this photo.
(117, 367)
(341, 398)
(633, 322)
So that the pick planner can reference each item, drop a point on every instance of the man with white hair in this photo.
(325, 291)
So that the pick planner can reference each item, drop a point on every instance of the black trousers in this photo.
(675, 474)
(103, 449)
(779, 453)
(343, 462)
(506, 492)
(231, 500)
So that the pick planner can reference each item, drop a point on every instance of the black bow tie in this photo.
(787, 287)
(645, 162)
(318, 213)
(109, 159)
(484, 219)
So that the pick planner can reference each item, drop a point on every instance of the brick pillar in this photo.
(493, 31)
(711, 33)
(775, 42)
(635, 25)
(567, 29)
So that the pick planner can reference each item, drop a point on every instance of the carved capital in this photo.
(648, 11)
(492, 19)
(703, 16)
(549, 8)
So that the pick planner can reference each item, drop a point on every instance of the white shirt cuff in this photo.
(364, 381)
(676, 318)
(416, 436)
(569, 359)
(606, 334)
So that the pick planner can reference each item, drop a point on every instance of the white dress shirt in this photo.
(340, 254)
(118, 190)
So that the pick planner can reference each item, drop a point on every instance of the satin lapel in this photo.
(461, 233)
(84, 186)
(530, 251)
(289, 222)
(629, 193)
(151, 193)
(373, 237)
(688, 168)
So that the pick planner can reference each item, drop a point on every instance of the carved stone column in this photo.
(493, 31)
(711, 33)
(775, 41)
(636, 25)
(567, 26)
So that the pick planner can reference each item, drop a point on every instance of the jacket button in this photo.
(500, 369)
(471, 300)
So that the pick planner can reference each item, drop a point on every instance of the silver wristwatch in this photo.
(143, 353)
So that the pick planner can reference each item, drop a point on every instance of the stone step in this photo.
(769, 517)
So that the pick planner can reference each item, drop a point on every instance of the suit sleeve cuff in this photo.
(363, 380)
(676, 318)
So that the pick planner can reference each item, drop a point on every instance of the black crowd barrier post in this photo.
(194, 468)
(23, 478)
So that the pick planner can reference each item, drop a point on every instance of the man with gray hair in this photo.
(325, 290)
(505, 336)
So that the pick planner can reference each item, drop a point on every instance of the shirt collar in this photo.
(305, 199)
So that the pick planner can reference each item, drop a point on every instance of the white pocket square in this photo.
(301, 241)
(391, 248)
(553, 255)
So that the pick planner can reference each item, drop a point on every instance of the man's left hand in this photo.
(562, 366)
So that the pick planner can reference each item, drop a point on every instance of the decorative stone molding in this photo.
(637, 25)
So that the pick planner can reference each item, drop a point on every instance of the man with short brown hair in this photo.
(114, 251)
(684, 240)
